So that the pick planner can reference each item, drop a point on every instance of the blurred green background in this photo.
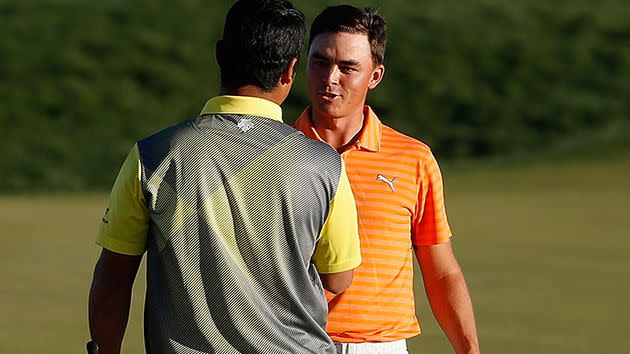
(525, 103)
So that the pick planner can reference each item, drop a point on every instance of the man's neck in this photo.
(253, 91)
(338, 132)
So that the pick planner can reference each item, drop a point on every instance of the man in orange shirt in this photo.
(398, 191)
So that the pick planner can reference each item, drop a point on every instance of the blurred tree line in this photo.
(80, 80)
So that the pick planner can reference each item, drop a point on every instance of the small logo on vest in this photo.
(105, 221)
(245, 124)
(382, 178)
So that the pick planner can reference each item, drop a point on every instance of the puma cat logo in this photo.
(382, 178)
(245, 124)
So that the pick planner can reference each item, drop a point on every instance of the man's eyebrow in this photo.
(350, 63)
(320, 56)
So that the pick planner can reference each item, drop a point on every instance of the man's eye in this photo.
(347, 69)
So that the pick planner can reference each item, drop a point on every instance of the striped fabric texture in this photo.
(235, 206)
(398, 189)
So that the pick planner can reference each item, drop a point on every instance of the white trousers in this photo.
(395, 347)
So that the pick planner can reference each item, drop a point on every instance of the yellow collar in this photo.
(254, 106)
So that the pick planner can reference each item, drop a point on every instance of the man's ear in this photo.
(377, 76)
(289, 74)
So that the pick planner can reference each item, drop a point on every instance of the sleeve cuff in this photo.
(341, 266)
(435, 241)
(119, 246)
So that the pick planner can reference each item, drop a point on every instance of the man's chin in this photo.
(328, 115)
(326, 110)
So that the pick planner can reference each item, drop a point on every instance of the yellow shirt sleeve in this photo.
(124, 226)
(338, 248)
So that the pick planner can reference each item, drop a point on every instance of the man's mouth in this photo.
(329, 96)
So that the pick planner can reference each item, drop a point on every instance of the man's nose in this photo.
(332, 78)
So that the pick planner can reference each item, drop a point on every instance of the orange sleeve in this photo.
(429, 224)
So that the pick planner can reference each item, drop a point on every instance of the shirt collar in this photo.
(254, 106)
(369, 136)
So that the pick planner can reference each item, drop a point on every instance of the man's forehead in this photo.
(348, 37)
(344, 46)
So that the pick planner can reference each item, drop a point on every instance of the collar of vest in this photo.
(254, 106)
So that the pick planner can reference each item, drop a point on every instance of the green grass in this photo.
(544, 250)
(545, 253)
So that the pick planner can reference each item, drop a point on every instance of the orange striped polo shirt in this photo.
(397, 186)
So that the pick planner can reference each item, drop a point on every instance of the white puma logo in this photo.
(245, 124)
(382, 178)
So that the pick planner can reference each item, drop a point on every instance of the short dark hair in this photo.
(260, 37)
(350, 19)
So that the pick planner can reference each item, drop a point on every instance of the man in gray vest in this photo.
(244, 220)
